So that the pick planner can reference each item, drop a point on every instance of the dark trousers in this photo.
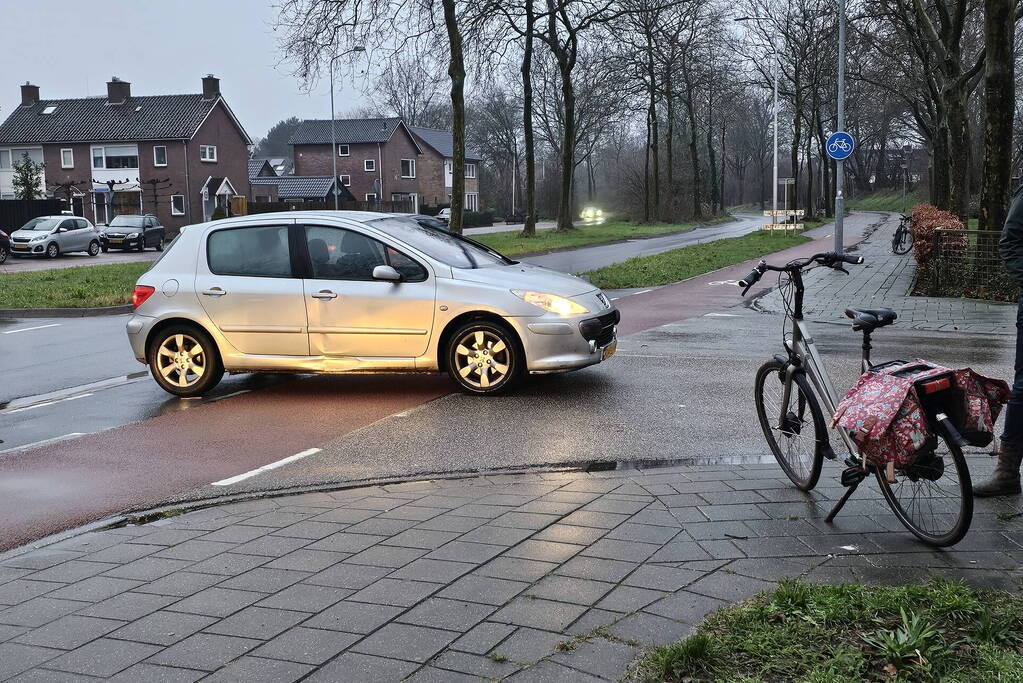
(1012, 431)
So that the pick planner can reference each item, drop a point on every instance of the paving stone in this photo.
(181, 584)
(770, 569)
(398, 592)
(307, 645)
(483, 589)
(460, 551)
(722, 549)
(69, 632)
(600, 657)
(528, 645)
(569, 589)
(592, 620)
(166, 537)
(661, 578)
(650, 630)
(567, 533)
(150, 568)
(611, 549)
(50, 676)
(311, 529)
(597, 569)
(412, 643)
(306, 560)
(729, 587)
(217, 602)
(432, 674)
(426, 539)
(411, 511)
(434, 571)
(257, 669)
(264, 580)
(453, 615)
(548, 507)
(618, 505)
(16, 658)
(346, 515)
(275, 546)
(20, 590)
(548, 671)
(229, 564)
(40, 559)
(354, 617)
(349, 576)
(600, 520)
(152, 673)
(352, 666)
(73, 570)
(450, 522)
(305, 597)
(496, 535)
(8, 632)
(381, 526)
(103, 657)
(163, 628)
(276, 519)
(526, 520)
(127, 606)
(709, 531)
(205, 651)
(94, 589)
(483, 637)
(258, 622)
(194, 550)
(644, 533)
(629, 599)
(537, 613)
(687, 607)
(39, 611)
(475, 665)
(237, 533)
(516, 569)
(773, 547)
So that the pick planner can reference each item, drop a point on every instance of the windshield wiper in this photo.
(480, 245)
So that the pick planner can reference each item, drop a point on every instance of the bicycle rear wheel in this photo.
(902, 242)
(796, 442)
(933, 497)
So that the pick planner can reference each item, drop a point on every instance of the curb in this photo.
(12, 313)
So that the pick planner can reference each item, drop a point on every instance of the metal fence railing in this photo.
(965, 263)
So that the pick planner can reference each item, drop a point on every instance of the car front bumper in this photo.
(554, 345)
(28, 249)
(120, 242)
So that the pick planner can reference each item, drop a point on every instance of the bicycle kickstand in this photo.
(852, 477)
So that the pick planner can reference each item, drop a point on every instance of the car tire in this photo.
(171, 356)
(4, 253)
(52, 250)
(142, 244)
(484, 357)
(94, 248)
(159, 245)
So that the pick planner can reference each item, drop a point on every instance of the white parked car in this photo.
(354, 291)
(52, 236)
(444, 215)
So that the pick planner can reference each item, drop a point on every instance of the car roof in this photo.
(357, 216)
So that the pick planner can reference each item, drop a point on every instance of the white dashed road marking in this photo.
(29, 329)
(266, 468)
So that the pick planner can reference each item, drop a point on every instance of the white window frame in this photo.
(412, 167)
(205, 154)
(102, 149)
(470, 170)
(346, 180)
(10, 160)
(475, 201)
(155, 162)
(369, 165)
(49, 109)
(175, 212)
(347, 150)
(71, 152)
(371, 196)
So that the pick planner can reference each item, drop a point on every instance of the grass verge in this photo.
(885, 201)
(512, 243)
(938, 631)
(77, 287)
(679, 264)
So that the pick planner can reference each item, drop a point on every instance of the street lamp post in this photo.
(777, 69)
(333, 116)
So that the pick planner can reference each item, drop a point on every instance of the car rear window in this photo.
(257, 251)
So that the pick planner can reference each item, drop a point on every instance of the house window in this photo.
(342, 150)
(470, 170)
(471, 201)
(408, 168)
(49, 109)
(67, 158)
(371, 196)
(5, 158)
(159, 155)
(208, 153)
(177, 205)
(369, 165)
(346, 180)
(115, 156)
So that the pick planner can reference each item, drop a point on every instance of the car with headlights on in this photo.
(358, 292)
(133, 232)
(51, 236)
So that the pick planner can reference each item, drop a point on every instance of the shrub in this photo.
(928, 218)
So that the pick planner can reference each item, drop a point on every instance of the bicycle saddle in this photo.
(870, 318)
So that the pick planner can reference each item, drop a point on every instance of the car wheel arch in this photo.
(170, 322)
(467, 317)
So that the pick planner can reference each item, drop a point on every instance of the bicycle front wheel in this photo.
(796, 438)
(933, 497)
(903, 241)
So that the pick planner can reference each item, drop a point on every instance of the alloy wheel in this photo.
(181, 360)
(482, 359)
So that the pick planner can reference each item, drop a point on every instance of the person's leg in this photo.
(1005, 479)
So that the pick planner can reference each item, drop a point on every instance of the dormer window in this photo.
(49, 109)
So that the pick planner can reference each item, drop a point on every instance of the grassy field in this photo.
(79, 287)
(939, 631)
(885, 201)
(679, 264)
(512, 243)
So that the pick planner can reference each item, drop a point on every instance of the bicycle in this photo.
(932, 500)
(902, 241)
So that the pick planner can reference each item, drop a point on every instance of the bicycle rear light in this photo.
(936, 385)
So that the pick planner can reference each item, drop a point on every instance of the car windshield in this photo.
(126, 222)
(454, 250)
(41, 224)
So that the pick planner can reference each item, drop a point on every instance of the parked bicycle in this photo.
(902, 242)
(932, 496)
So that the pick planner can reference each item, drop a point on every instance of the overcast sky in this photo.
(71, 48)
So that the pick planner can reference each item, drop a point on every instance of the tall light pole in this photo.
(840, 164)
(333, 116)
(777, 68)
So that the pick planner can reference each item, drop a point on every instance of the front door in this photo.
(246, 285)
(350, 313)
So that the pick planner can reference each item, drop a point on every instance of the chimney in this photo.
(210, 87)
(118, 91)
(29, 94)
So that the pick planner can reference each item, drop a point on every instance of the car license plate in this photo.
(21, 246)
(609, 350)
(116, 241)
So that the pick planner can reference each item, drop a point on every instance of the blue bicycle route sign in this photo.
(840, 145)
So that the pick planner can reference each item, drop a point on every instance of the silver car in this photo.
(353, 291)
(52, 236)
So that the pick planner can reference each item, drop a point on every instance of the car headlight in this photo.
(552, 303)
(39, 238)
(132, 235)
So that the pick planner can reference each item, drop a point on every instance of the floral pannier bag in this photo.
(884, 411)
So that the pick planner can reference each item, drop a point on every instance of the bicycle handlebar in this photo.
(829, 259)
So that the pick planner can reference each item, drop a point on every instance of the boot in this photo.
(1005, 479)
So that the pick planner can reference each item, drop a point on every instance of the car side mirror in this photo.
(386, 273)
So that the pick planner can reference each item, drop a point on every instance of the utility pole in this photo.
(840, 163)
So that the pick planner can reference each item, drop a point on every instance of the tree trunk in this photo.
(669, 151)
(567, 148)
(694, 153)
(456, 70)
(999, 108)
(724, 164)
(529, 227)
(958, 153)
(797, 140)
(647, 193)
(711, 154)
(809, 215)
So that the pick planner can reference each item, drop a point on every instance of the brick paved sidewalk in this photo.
(885, 280)
(542, 576)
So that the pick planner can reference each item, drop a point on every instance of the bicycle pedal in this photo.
(852, 476)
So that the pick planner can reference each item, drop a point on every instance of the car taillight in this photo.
(936, 385)
(141, 293)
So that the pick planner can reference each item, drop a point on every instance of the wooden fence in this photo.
(14, 213)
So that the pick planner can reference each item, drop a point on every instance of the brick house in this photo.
(175, 156)
(381, 159)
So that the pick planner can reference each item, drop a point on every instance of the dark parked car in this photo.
(5, 246)
(133, 232)
(425, 221)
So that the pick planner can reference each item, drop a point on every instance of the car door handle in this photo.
(324, 295)
(214, 291)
